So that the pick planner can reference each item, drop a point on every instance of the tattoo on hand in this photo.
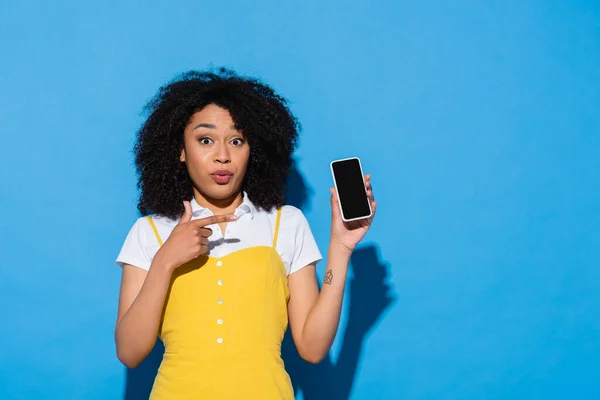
(328, 277)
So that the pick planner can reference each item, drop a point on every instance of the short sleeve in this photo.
(305, 250)
(135, 248)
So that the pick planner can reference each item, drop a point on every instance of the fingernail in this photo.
(233, 218)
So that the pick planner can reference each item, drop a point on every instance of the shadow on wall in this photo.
(139, 380)
(369, 297)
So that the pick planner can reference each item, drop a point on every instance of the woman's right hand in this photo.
(189, 239)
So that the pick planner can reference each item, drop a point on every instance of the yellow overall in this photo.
(222, 326)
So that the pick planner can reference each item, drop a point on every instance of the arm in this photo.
(143, 293)
(141, 302)
(314, 316)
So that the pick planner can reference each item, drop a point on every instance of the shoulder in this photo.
(148, 222)
(143, 240)
(141, 226)
(297, 243)
(146, 229)
(292, 217)
(134, 249)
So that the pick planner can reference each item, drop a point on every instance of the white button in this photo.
(220, 282)
(219, 263)
(220, 301)
(219, 321)
(220, 340)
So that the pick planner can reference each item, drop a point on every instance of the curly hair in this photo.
(261, 114)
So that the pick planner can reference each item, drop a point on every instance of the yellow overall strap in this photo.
(155, 230)
(276, 227)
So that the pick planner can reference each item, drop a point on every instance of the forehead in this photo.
(212, 114)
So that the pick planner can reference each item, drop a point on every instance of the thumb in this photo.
(187, 214)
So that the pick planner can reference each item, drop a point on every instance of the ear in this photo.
(182, 155)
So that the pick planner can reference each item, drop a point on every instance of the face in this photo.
(215, 153)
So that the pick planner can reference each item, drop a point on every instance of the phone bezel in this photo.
(337, 193)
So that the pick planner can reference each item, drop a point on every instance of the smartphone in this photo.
(349, 183)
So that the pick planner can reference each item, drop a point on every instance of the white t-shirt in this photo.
(295, 243)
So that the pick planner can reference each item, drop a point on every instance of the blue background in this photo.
(480, 122)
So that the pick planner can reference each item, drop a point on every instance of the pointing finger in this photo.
(215, 219)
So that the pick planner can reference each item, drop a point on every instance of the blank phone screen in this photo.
(351, 188)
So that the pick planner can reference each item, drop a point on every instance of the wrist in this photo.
(340, 249)
(163, 265)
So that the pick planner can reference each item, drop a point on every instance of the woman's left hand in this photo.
(349, 234)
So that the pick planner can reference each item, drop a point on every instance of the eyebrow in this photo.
(211, 126)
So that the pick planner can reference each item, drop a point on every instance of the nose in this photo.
(222, 155)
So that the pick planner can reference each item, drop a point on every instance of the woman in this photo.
(218, 265)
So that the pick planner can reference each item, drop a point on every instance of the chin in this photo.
(221, 192)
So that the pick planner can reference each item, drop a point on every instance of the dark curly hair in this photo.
(261, 114)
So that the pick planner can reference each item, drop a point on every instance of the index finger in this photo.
(214, 219)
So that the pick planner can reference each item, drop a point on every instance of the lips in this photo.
(222, 176)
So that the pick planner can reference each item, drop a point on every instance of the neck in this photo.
(219, 206)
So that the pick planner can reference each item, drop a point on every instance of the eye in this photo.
(238, 141)
(205, 140)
